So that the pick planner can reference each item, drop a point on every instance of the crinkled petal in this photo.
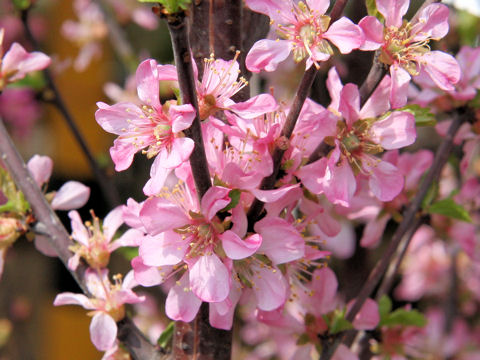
(432, 23)
(210, 279)
(385, 180)
(159, 215)
(393, 11)
(214, 200)
(395, 131)
(236, 248)
(182, 116)
(122, 153)
(267, 54)
(373, 31)
(442, 68)
(103, 331)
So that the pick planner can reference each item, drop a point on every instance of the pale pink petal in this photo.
(167, 73)
(269, 196)
(267, 54)
(132, 237)
(16, 62)
(79, 231)
(148, 275)
(182, 304)
(339, 183)
(114, 118)
(43, 245)
(73, 262)
(393, 11)
(221, 314)
(373, 31)
(349, 104)
(182, 116)
(368, 317)
(210, 279)
(240, 222)
(320, 6)
(236, 248)
(432, 23)
(344, 353)
(324, 286)
(68, 298)
(442, 68)
(395, 131)
(281, 242)
(179, 152)
(122, 153)
(103, 331)
(159, 215)
(379, 102)
(385, 180)
(148, 85)
(341, 245)
(345, 35)
(255, 106)
(312, 175)
(145, 18)
(334, 86)
(112, 222)
(41, 168)
(400, 80)
(279, 11)
(96, 281)
(158, 176)
(214, 200)
(270, 288)
(164, 249)
(72, 195)
(372, 234)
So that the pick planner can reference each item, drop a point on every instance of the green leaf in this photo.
(21, 4)
(339, 323)
(423, 116)
(430, 196)
(166, 335)
(171, 6)
(128, 252)
(404, 317)
(235, 196)
(384, 306)
(448, 207)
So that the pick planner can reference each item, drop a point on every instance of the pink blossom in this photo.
(306, 31)
(94, 243)
(360, 135)
(153, 126)
(107, 304)
(16, 63)
(404, 46)
(20, 110)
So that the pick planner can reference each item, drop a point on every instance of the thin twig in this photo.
(409, 218)
(48, 223)
(108, 189)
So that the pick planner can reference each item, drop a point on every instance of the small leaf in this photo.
(384, 306)
(404, 317)
(235, 196)
(166, 335)
(339, 323)
(423, 116)
(450, 208)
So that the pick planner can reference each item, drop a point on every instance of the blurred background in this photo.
(89, 65)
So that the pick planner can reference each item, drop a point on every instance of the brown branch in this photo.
(108, 189)
(49, 224)
(409, 218)
(177, 27)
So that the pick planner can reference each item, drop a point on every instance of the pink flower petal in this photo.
(385, 180)
(159, 215)
(148, 275)
(148, 85)
(68, 298)
(112, 222)
(210, 279)
(236, 248)
(214, 200)
(349, 104)
(167, 248)
(393, 11)
(373, 31)
(395, 131)
(432, 23)
(16, 62)
(132, 237)
(400, 80)
(122, 153)
(79, 231)
(182, 304)
(182, 116)
(103, 331)
(281, 242)
(179, 152)
(41, 168)
(72, 195)
(368, 317)
(270, 288)
(255, 106)
(442, 68)
(334, 86)
(345, 35)
(267, 54)
(324, 285)
(372, 234)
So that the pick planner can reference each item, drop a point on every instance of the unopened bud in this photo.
(10, 229)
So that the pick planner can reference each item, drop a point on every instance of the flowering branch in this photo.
(411, 213)
(108, 189)
(48, 224)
